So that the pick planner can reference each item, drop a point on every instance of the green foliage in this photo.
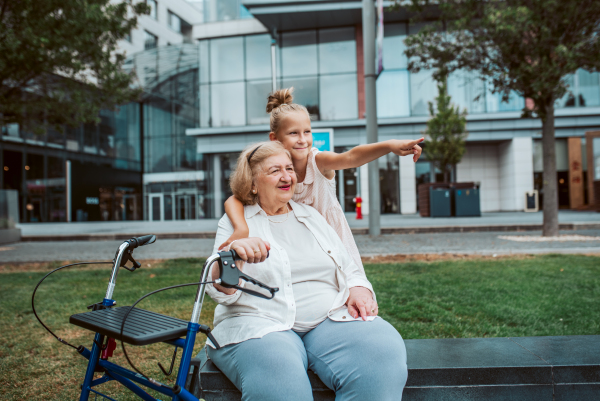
(446, 132)
(58, 60)
(527, 46)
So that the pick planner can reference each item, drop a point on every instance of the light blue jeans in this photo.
(358, 360)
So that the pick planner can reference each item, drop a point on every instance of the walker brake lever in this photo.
(128, 256)
(230, 276)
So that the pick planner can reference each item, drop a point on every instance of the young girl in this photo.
(290, 124)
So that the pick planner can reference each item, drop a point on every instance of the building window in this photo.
(583, 90)
(393, 95)
(325, 78)
(235, 76)
(467, 91)
(338, 87)
(402, 94)
(151, 41)
(223, 10)
(393, 84)
(153, 9)
(174, 22)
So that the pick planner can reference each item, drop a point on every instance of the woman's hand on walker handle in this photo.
(361, 303)
(407, 147)
(251, 250)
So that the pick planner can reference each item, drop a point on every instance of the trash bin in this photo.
(423, 191)
(440, 202)
(466, 202)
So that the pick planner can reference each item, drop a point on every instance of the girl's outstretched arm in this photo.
(363, 154)
(235, 212)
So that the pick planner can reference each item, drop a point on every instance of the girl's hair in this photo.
(246, 170)
(279, 104)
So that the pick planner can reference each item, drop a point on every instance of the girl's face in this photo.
(295, 134)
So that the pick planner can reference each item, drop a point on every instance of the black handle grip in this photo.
(141, 241)
(230, 275)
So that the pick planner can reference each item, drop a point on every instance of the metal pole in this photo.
(273, 63)
(368, 20)
(68, 188)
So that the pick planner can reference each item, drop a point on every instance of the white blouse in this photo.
(314, 283)
(240, 316)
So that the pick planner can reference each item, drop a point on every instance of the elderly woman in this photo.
(268, 345)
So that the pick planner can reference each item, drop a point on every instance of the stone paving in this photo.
(387, 221)
(486, 243)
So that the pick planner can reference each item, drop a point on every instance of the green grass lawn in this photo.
(532, 296)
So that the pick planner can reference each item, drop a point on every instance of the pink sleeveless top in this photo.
(319, 192)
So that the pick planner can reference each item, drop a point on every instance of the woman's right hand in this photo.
(251, 250)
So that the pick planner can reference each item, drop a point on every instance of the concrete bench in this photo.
(515, 368)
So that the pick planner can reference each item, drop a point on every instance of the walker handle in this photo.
(230, 275)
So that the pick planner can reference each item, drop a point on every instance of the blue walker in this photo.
(135, 326)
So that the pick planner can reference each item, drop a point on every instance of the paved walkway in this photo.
(406, 223)
(486, 243)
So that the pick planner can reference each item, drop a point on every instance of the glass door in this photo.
(350, 182)
(129, 207)
(592, 140)
(389, 183)
(186, 206)
(596, 158)
(156, 207)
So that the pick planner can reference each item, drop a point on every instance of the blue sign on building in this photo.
(323, 139)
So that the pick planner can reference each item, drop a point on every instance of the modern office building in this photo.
(205, 101)
(93, 172)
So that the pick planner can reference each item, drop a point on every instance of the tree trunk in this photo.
(446, 175)
(550, 228)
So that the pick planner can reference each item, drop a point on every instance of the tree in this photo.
(526, 46)
(446, 132)
(58, 63)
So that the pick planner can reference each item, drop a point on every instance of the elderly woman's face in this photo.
(276, 181)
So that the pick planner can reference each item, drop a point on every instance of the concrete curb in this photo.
(355, 231)
(10, 235)
(475, 229)
(111, 237)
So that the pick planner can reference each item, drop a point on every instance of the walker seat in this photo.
(142, 327)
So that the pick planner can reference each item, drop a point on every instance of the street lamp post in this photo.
(368, 20)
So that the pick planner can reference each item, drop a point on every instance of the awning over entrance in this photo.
(286, 15)
(290, 15)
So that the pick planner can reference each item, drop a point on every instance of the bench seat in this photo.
(516, 368)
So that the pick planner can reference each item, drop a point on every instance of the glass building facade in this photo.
(36, 167)
(222, 10)
(403, 94)
(235, 76)
(138, 162)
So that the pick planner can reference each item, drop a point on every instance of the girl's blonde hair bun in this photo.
(275, 101)
(280, 97)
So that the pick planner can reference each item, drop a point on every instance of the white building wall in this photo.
(246, 26)
(480, 163)
(408, 186)
(516, 172)
(160, 26)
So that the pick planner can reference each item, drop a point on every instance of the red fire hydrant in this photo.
(358, 201)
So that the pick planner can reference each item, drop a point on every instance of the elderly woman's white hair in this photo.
(249, 164)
